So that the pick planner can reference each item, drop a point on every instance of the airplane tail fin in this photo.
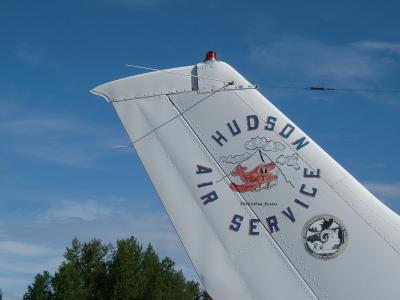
(299, 226)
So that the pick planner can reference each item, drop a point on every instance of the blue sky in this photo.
(60, 177)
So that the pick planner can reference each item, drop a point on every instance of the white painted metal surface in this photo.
(261, 209)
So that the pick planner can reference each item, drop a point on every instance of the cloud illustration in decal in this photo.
(264, 144)
(235, 159)
(291, 161)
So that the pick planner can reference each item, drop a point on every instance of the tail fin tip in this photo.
(101, 94)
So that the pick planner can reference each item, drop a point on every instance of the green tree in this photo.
(193, 290)
(125, 270)
(150, 275)
(40, 289)
(68, 283)
(94, 271)
(86, 270)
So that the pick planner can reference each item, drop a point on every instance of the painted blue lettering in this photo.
(252, 122)
(311, 174)
(289, 214)
(270, 124)
(200, 185)
(272, 223)
(286, 131)
(301, 203)
(201, 169)
(253, 226)
(300, 143)
(219, 137)
(236, 130)
(304, 192)
(236, 222)
(210, 197)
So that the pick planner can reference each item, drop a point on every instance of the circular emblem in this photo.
(324, 236)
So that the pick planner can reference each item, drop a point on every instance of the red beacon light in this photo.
(211, 55)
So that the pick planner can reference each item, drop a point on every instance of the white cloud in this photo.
(20, 261)
(385, 190)
(264, 144)
(137, 3)
(380, 46)
(20, 248)
(305, 61)
(235, 159)
(86, 210)
(38, 125)
(29, 266)
(56, 139)
(300, 62)
(291, 161)
(315, 59)
(19, 274)
(370, 165)
(10, 286)
(10, 282)
(29, 54)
